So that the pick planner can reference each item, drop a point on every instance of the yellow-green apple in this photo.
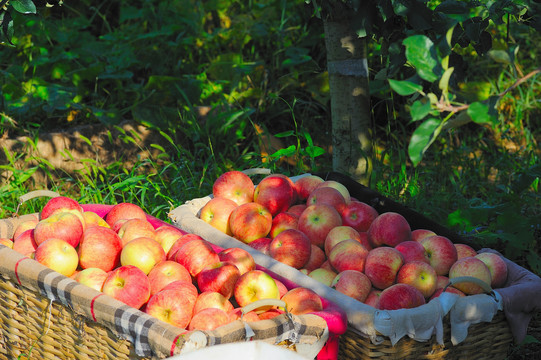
(281, 222)
(282, 289)
(25, 225)
(6, 242)
(124, 211)
(358, 215)
(327, 195)
(389, 228)
(61, 225)
(317, 257)
(165, 304)
(271, 314)
(93, 219)
(236, 314)
(58, 255)
(317, 220)
(297, 209)
(497, 267)
(339, 233)
(59, 204)
(262, 244)
(99, 247)
(241, 258)
(324, 276)
(440, 252)
(419, 234)
(216, 213)
(212, 299)
(470, 266)
(167, 235)
(164, 273)
(400, 296)
(420, 275)
(352, 283)
(91, 277)
(208, 319)
(302, 300)
(136, 228)
(234, 185)
(25, 243)
(218, 277)
(142, 252)
(255, 285)
(250, 221)
(348, 254)
(275, 193)
(373, 297)
(412, 251)
(128, 284)
(381, 266)
(195, 255)
(464, 250)
(291, 247)
(180, 242)
(449, 289)
(338, 186)
(305, 185)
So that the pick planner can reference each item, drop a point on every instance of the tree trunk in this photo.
(350, 110)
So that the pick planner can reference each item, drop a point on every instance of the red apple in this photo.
(6, 242)
(208, 319)
(327, 195)
(291, 247)
(271, 314)
(382, 265)
(91, 277)
(412, 251)
(281, 222)
(400, 296)
(340, 233)
(302, 300)
(317, 257)
(216, 213)
(165, 305)
(470, 266)
(128, 284)
(463, 250)
(236, 314)
(327, 265)
(25, 225)
(179, 243)
(212, 299)
(389, 228)
(218, 277)
(167, 235)
(420, 275)
(317, 220)
(124, 211)
(61, 225)
(419, 234)
(99, 247)
(261, 244)
(250, 221)
(234, 185)
(450, 289)
(324, 276)
(305, 185)
(164, 273)
(58, 255)
(497, 267)
(352, 283)
(25, 243)
(282, 289)
(196, 255)
(255, 285)
(358, 215)
(275, 193)
(142, 252)
(348, 254)
(93, 219)
(241, 258)
(297, 209)
(136, 228)
(59, 204)
(338, 186)
(373, 298)
(440, 252)
(442, 281)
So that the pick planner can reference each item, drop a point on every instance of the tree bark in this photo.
(350, 107)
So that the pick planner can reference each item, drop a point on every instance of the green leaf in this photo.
(444, 81)
(314, 151)
(419, 110)
(422, 138)
(420, 53)
(289, 151)
(23, 6)
(479, 113)
(500, 56)
(405, 87)
(7, 26)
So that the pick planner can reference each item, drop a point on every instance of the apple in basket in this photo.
(353, 283)
(400, 296)
(340, 233)
(93, 219)
(234, 185)
(412, 251)
(358, 215)
(305, 185)
(25, 225)
(59, 255)
(91, 277)
(497, 267)
(99, 247)
(6, 242)
(59, 204)
(382, 265)
(136, 228)
(441, 253)
(179, 243)
(338, 186)
(317, 220)
(166, 236)
(389, 228)
(25, 243)
(291, 247)
(470, 266)
(262, 244)
(128, 284)
(216, 213)
(327, 195)
(165, 304)
(276, 193)
(166, 272)
(317, 258)
(283, 221)
(420, 275)
(142, 252)
(463, 250)
(250, 221)
(124, 211)
(61, 225)
(212, 299)
(196, 255)
(301, 300)
(209, 319)
(241, 258)
(255, 285)
(348, 254)
(419, 234)
(324, 276)
(218, 277)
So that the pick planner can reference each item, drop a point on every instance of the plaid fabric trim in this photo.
(56, 287)
(135, 325)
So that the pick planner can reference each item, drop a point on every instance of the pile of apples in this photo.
(174, 276)
(315, 226)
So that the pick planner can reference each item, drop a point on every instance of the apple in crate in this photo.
(358, 215)
(196, 255)
(208, 319)
(348, 254)
(241, 258)
(282, 289)
(291, 247)
(6, 242)
(136, 228)
(470, 266)
(25, 225)
(166, 236)
(412, 251)
(352, 283)
(61, 225)
(317, 258)
(271, 314)
(165, 304)
(276, 193)
(340, 233)
(99, 247)
(389, 228)
(25, 243)
(449, 289)
(305, 185)
(59, 204)
(297, 209)
(400, 296)
(464, 250)
(373, 297)
(93, 219)
(179, 243)
(497, 267)
(419, 234)
(236, 314)
(142, 252)
(250, 221)
(234, 185)
(58, 255)
(441, 253)
(216, 213)
(302, 300)
(255, 285)
(262, 244)
(327, 195)
(317, 220)
(212, 299)
(338, 186)
(324, 276)
(382, 265)
(91, 277)
(218, 277)
(420, 275)
(166, 272)
(283, 221)
(128, 284)
(124, 211)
